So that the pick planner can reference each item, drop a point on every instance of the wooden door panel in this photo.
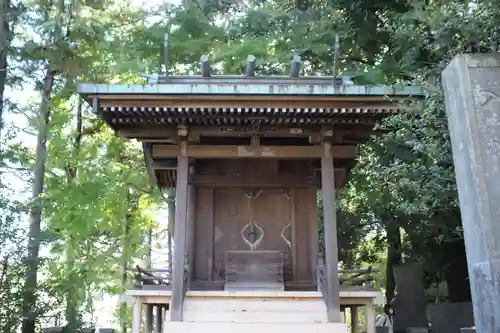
(271, 209)
(231, 215)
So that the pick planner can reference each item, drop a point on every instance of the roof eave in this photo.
(299, 88)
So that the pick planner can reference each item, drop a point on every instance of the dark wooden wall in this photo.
(222, 211)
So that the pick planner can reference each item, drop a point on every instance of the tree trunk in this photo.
(5, 32)
(456, 272)
(72, 291)
(393, 256)
(132, 201)
(72, 294)
(149, 258)
(35, 218)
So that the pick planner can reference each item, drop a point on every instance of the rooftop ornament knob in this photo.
(205, 66)
(295, 67)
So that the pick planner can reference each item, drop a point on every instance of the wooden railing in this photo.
(322, 280)
(357, 279)
(156, 278)
(362, 278)
(151, 278)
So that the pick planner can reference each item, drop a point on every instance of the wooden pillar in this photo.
(191, 228)
(159, 319)
(137, 314)
(149, 318)
(180, 236)
(330, 232)
(370, 318)
(354, 319)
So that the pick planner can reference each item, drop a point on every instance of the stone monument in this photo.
(472, 97)
(450, 317)
(409, 303)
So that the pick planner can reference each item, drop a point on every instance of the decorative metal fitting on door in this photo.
(252, 233)
(286, 232)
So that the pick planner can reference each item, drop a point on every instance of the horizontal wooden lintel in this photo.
(353, 134)
(262, 181)
(222, 131)
(265, 181)
(222, 151)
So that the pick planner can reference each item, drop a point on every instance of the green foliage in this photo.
(11, 256)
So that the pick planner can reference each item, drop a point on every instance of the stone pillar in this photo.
(472, 96)
(370, 318)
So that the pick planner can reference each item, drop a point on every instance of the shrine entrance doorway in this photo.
(252, 220)
(260, 221)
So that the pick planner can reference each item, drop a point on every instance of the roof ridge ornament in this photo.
(250, 67)
(295, 67)
(205, 66)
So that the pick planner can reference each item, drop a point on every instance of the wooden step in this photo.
(270, 305)
(208, 316)
(214, 327)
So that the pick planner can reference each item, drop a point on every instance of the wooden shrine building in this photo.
(247, 155)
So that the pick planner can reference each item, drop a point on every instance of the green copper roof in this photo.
(308, 86)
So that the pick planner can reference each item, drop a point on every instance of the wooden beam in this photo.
(245, 101)
(219, 131)
(169, 135)
(148, 159)
(237, 97)
(166, 164)
(178, 287)
(330, 234)
(147, 133)
(213, 151)
(341, 177)
(264, 181)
